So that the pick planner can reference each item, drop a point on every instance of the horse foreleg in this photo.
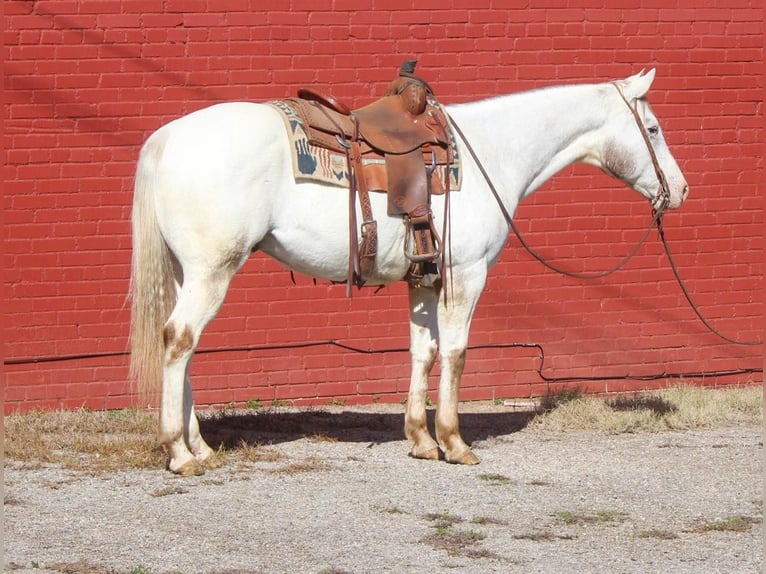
(423, 349)
(455, 317)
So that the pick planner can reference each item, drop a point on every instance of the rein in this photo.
(659, 204)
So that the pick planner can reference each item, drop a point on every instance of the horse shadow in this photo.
(233, 429)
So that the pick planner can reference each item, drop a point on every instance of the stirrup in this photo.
(420, 222)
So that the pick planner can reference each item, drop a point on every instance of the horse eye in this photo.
(653, 130)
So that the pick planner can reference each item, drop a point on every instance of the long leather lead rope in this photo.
(688, 297)
(656, 217)
(659, 204)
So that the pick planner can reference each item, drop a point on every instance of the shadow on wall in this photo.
(84, 105)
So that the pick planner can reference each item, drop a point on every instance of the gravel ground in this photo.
(338, 494)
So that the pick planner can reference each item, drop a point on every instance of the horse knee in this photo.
(177, 344)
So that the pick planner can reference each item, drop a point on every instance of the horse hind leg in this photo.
(423, 351)
(198, 301)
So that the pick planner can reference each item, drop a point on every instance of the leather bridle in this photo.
(661, 201)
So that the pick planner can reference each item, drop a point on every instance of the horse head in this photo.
(635, 150)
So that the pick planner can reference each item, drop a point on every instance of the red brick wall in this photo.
(87, 81)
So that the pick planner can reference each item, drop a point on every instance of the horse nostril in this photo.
(685, 192)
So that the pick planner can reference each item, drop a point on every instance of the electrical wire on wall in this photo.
(355, 349)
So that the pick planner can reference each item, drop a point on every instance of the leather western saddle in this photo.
(407, 130)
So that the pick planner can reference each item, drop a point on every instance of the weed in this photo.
(735, 523)
(452, 540)
(442, 520)
(254, 404)
(457, 542)
(168, 490)
(485, 520)
(280, 403)
(390, 509)
(481, 553)
(539, 536)
(590, 516)
(257, 453)
(658, 534)
(494, 479)
(311, 464)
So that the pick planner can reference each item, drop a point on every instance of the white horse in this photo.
(216, 185)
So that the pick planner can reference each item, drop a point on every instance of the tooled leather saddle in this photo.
(408, 130)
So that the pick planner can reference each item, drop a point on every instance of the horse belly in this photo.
(310, 235)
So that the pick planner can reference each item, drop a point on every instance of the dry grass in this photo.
(676, 408)
(590, 516)
(494, 479)
(736, 523)
(541, 536)
(657, 534)
(107, 441)
(310, 464)
(457, 542)
(257, 452)
(84, 440)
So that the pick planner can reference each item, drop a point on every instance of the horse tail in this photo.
(152, 284)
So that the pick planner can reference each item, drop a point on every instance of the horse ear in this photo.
(638, 85)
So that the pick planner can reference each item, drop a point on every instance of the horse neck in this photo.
(523, 139)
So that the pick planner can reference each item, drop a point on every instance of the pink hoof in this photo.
(465, 457)
(431, 453)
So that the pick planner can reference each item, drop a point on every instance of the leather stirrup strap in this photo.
(360, 261)
(369, 246)
(353, 246)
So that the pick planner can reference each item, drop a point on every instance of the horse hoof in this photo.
(431, 453)
(466, 457)
(191, 468)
